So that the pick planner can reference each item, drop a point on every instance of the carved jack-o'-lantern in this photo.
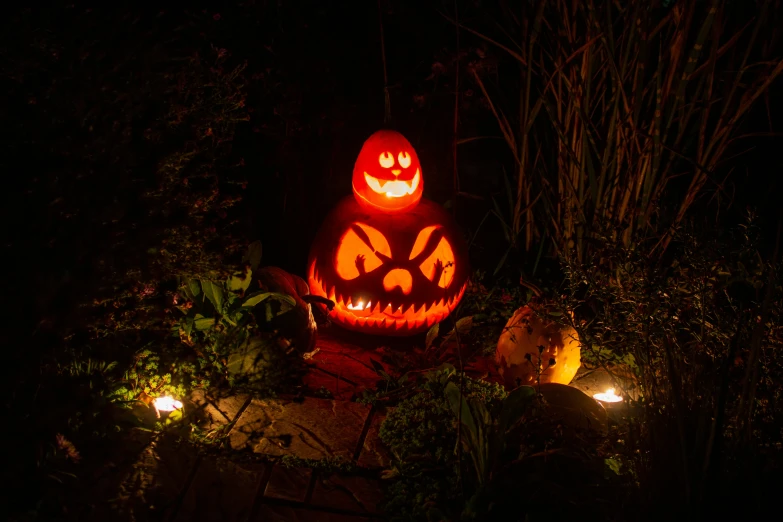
(387, 175)
(393, 274)
(392, 262)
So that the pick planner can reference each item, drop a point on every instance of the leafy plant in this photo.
(229, 327)
(485, 431)
(421, 433)
(698, 330)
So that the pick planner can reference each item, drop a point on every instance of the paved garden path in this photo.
(162, 478)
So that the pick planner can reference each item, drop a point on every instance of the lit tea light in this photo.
(166, 404)
(608, 396)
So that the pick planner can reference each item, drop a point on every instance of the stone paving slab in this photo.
(165, 479)
(317, 380)
(310, 429)
(288, 483)
(350, 362)
(215, 410)
(374, 454)
(350, 493)
(99, 497)
(222, 491)
(278, 513)
(150, 488)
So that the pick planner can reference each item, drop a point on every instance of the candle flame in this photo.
(608, 396)
(167, 404)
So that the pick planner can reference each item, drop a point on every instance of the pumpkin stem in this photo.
(317, 299)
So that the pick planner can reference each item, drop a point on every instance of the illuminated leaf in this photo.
(240, 281)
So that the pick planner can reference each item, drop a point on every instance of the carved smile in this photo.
(393, 189)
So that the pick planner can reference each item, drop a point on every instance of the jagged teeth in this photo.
(411, 316)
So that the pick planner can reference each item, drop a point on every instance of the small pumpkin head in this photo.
(387, 175)
(393, 274)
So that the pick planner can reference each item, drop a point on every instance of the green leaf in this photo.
(475, 420)
(432, 334)
(515, 405)
(238, 316)
(187, 326)
(205, 323)
(377, 366)
(253, 300)
(253, 255)
(240, 281)
(614, 465)
(442, 373)
(194, 285)
(457, 402)
(214, 293)
(464, 325)
(174, 416)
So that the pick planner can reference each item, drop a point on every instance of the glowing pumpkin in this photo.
(518, 354)
(387, 175)
(392, 274)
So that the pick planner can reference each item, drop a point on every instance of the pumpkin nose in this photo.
(398, 277)
(396, 172)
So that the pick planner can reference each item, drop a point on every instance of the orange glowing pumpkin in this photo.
(387, 175)
(522, 362)
(391, 274)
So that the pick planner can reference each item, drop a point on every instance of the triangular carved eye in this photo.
(438, 266)
(358, 249)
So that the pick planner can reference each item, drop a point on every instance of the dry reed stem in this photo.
(630, 97)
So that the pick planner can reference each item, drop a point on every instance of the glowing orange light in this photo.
(383, 317)
(398, 278)
(387, 174)
(608, 396)
(392, 262)
(166, 404)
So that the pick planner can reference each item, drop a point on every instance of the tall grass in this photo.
(614, 101)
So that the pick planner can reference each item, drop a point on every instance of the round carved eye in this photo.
(386, 160)
(404, 159)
